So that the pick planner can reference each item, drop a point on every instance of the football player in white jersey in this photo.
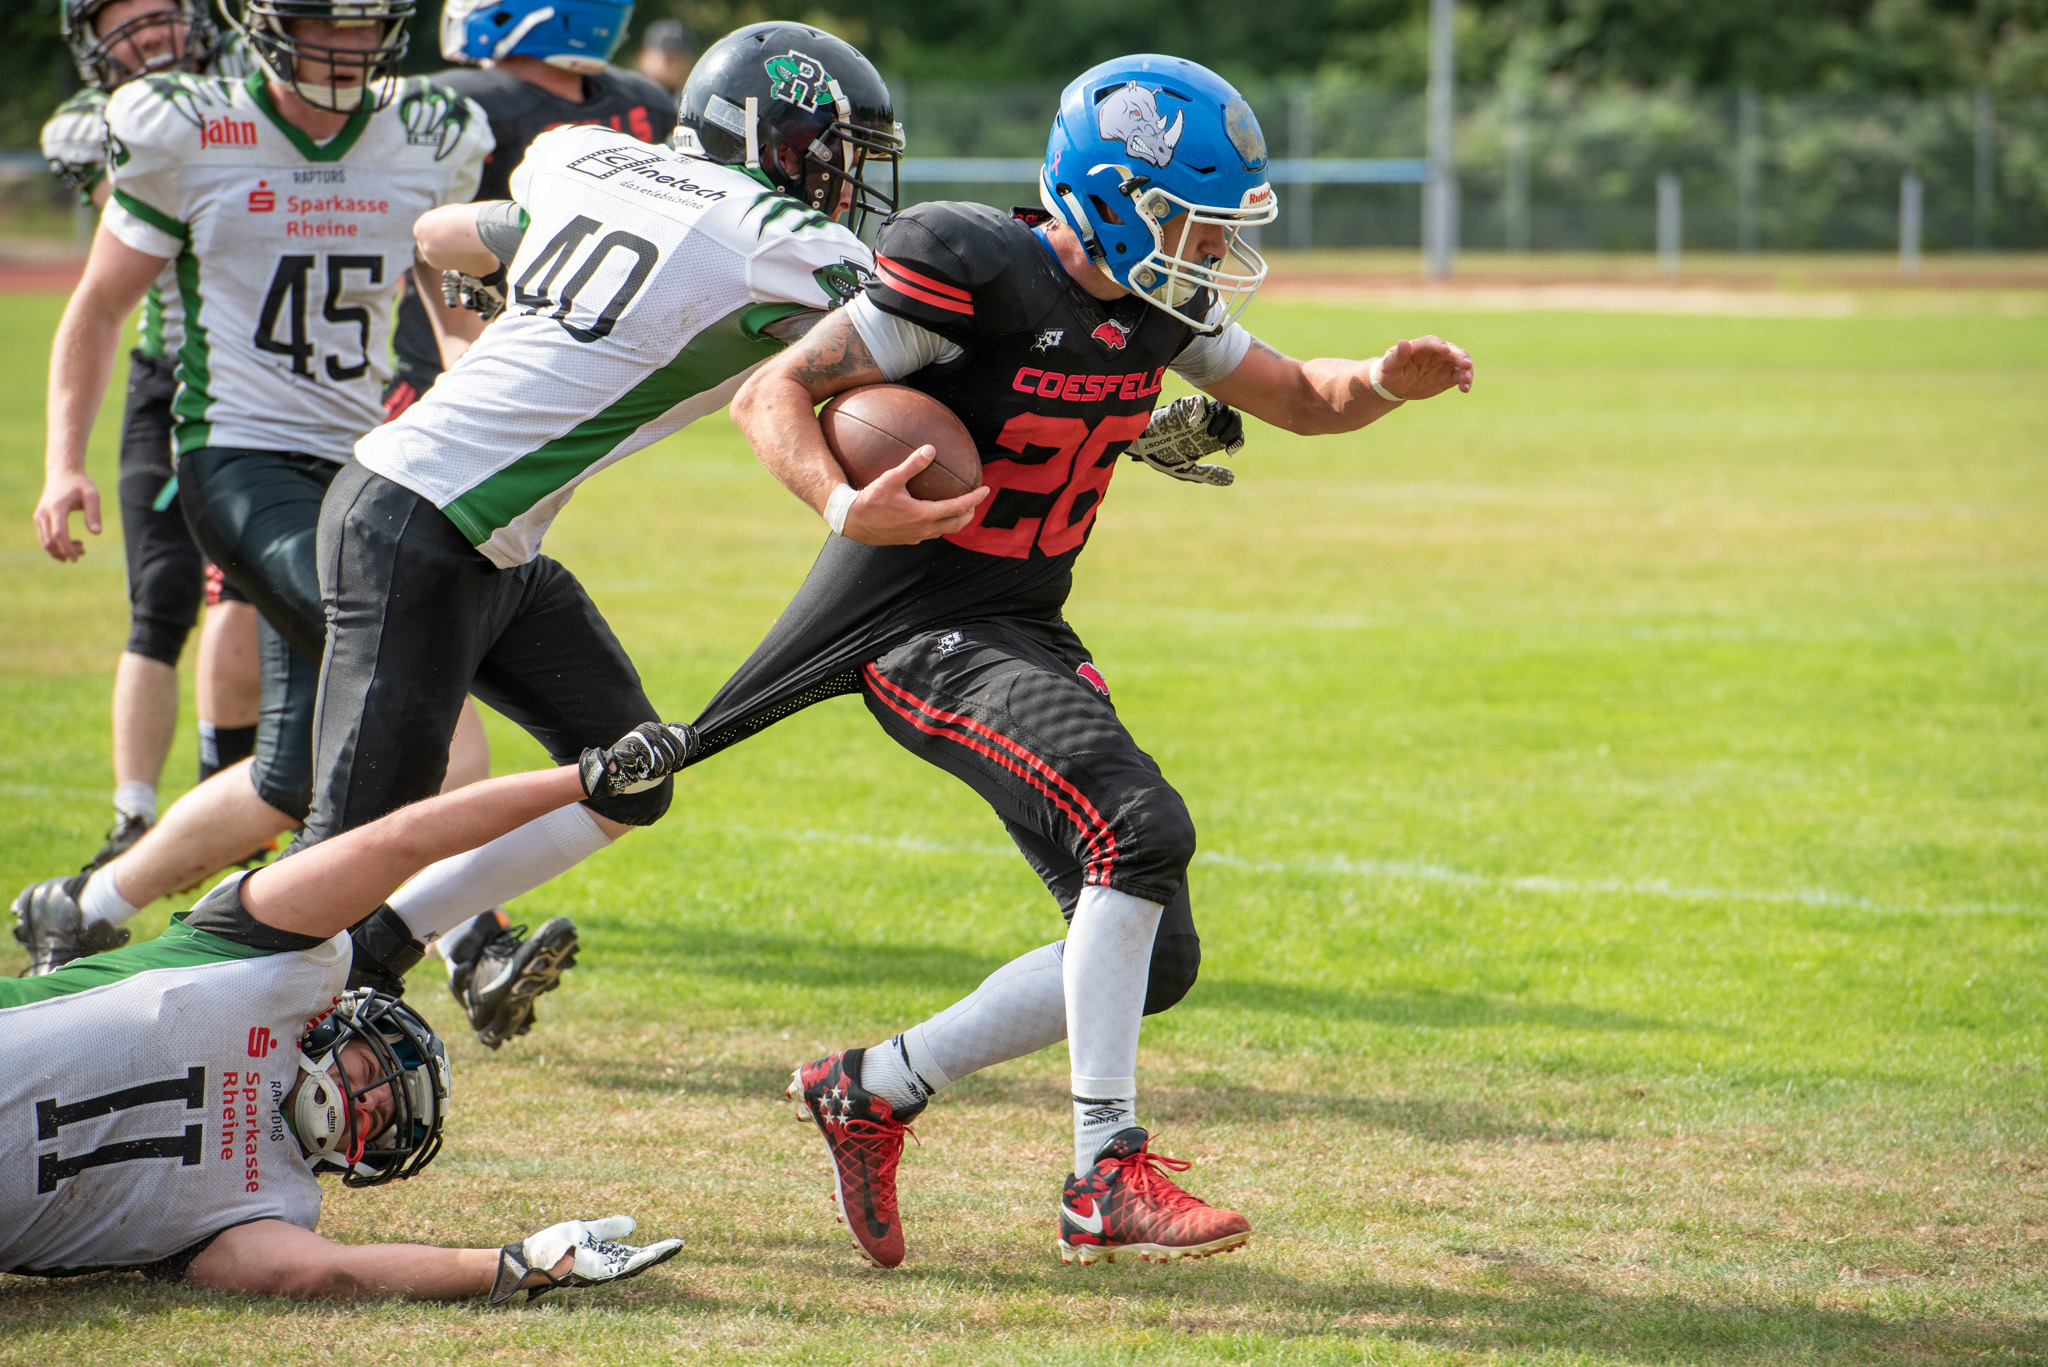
(645, 284)
(164, 1107)
(112, 42)
(285, 204)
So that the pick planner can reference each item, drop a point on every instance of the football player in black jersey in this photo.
(1049, 335)
(530, 66)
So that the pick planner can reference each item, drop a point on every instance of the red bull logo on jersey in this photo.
(226, 132)
(1113, 334)
(1087, 670)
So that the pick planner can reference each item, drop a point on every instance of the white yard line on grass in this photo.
(1421, 871)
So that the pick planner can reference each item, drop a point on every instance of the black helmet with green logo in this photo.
(803, 108)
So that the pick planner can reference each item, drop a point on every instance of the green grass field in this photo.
(1624, 808)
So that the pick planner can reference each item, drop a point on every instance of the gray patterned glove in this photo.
(641, 758)
(1184, 431)
(485, 295)
(75, 141)
(599, 1257)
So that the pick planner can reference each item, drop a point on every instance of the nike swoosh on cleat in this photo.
(1091, 1223)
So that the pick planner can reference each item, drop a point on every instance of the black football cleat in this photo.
(50, 925)
(498, 983)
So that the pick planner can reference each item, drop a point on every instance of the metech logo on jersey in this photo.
(226, 132)
(263, 199)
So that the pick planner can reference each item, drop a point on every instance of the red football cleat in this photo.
(1127, 1204)
(866, 1140)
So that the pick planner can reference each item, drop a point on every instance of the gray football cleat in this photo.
(498, 986)
(50, 925)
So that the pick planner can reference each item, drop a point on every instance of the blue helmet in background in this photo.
(1146, 151)
(576, 35)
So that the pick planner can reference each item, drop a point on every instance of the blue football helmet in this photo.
(1145, 152)
(576, 35)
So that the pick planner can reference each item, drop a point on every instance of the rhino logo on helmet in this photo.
(1130, 115)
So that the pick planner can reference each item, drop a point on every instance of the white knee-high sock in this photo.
(442, 896)
(1018, 1009)
(1107, 965)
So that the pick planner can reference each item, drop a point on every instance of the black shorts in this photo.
(256, 514)
(1014, 708)
(166, 572)
(419, 619)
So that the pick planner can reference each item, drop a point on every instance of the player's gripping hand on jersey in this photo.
(776, 409)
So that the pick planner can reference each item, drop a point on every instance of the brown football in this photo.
(873, 428)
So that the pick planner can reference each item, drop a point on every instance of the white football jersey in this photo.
(287, 254)
(636, 305)
(139, 1112)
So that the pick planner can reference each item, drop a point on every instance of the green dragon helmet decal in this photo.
(798, 78)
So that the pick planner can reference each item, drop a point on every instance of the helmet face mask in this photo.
(107, 54)
(1147, 155)
(329, 1111)
(802, 108)
(296, 61)
(575, 35)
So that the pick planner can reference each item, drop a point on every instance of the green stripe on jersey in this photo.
(715, 355)
(180, 946)
(153, 323)
(153, 216)
(194, 398)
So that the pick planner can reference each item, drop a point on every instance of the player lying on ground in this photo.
(645, 283)
(160, 1104)
(1048, 335)
(272, 391)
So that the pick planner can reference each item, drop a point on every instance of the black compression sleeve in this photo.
(221, 913)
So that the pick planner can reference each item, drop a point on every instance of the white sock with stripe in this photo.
(1106, 968)
(1018, 1009)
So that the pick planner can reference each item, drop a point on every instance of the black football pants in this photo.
(256, 515)
(418, 618)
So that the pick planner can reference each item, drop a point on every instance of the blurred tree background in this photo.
(1894, 46)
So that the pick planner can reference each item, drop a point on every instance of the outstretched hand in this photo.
(886, 513)
(1424, 367)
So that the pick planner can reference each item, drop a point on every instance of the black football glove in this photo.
(485, 295)
(599, 1257)
(1184, 431)
(641, 758)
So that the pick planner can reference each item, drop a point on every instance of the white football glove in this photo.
(599, 1256)
(484, 295)
(1184, 431)
(75, 143)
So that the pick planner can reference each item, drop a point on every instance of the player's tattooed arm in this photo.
(776, 409)
(1329, 395)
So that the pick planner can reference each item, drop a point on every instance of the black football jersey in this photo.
(520, 112)
(1052, 384)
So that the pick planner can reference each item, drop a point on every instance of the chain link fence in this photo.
(1551, 169)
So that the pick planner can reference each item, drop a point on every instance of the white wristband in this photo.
(1373, 374)
(836, 508)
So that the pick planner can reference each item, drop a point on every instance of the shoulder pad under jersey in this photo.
(958, 269)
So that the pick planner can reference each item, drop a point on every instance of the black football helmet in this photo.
(411, 1060)
(803, 108)
(266, 26)
(181, 32)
